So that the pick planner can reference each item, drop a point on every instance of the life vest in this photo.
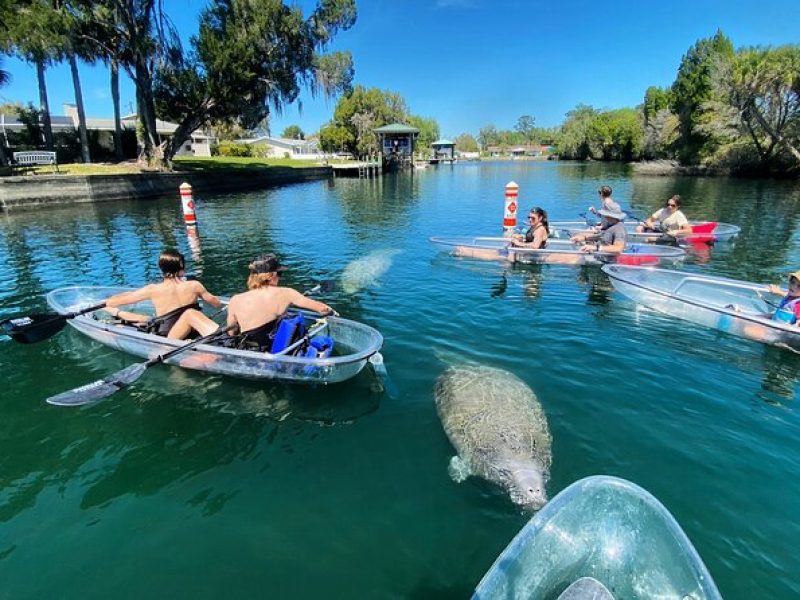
(785, 312)
(289, 330)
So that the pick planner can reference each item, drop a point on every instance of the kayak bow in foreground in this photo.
(600, 538)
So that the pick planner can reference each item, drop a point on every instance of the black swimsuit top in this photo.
(529, 237)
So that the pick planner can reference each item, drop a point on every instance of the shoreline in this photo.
(30, 192)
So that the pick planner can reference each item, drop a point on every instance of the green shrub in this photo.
(228, 148)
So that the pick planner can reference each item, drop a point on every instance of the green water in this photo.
(188, 485)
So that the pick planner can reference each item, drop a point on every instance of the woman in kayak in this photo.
(612, 235)
(254, 314)
(537, 234)
(669, 219)
(788, 310)
(175, 301)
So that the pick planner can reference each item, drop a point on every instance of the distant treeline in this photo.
(737, 110)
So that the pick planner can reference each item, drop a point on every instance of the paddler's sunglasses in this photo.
(672, 205)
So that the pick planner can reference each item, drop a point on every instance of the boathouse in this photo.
(396, 142)
(444, 151)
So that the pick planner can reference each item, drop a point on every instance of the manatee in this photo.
(499, 430)
(364, 272)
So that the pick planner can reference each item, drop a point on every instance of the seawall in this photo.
(38, 191)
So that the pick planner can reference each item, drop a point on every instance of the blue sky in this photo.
(469, 63)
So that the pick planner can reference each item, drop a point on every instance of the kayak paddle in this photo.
(103, 388)
(38, 327)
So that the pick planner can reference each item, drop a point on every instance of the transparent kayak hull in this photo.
(557, 252)
(354, 343)
(735, 307)
(607, 530)
(711, 231)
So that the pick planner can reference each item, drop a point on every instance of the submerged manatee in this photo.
(364, 272)
(498, 428)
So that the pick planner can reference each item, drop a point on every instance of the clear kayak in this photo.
(735, 307)
(706, 232)
(561, 252)
(602, 538)
(354, 344)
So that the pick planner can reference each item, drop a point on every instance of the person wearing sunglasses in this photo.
(538, 232)
(669, 219)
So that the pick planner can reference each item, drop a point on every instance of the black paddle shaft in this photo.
(35, 328)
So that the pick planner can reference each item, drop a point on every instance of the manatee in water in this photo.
(364, 272)
(498, 429)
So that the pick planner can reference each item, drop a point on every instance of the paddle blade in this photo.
(379, 368)
(100, 389)
(33, 328)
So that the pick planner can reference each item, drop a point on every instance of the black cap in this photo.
(268, 263)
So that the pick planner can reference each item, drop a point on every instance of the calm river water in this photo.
(188, 485)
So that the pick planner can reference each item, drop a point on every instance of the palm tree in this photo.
(5, 77)
(30, 34)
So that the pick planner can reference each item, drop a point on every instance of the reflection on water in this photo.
(781, 374)
(267, 477)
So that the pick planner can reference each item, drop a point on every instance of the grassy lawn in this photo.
(183, 164)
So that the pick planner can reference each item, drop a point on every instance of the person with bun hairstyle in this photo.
(175, 300)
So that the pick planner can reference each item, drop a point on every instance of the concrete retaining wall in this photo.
(37, 191)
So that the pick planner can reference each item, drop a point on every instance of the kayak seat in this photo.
(637, 260)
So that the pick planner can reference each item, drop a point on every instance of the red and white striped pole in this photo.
(188, 204)
(511, 205)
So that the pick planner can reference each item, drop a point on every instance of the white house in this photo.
(284, 147)
(198, 145)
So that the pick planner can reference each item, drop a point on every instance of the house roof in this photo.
(396, 128)
(443, 142)
(61, 122)
(281, 142)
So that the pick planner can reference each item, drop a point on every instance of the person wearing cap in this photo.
(668, 219)
(254, 314)
(788, 310)
(538, 232)
(612, 235)
(175, 300)
(607, 202)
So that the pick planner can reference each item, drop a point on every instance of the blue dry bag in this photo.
(784, 315)
(319, 347)
(289, 330)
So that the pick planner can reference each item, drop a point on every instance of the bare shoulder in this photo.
(196, 286)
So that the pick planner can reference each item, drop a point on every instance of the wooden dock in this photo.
(357, 169)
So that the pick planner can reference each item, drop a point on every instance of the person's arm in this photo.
(231, 320)
(683, 226)
(583, 237)
(616, 246)
(124, 298)
(131, 297)
(301, 301)
(774, 289)
(207, 296)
